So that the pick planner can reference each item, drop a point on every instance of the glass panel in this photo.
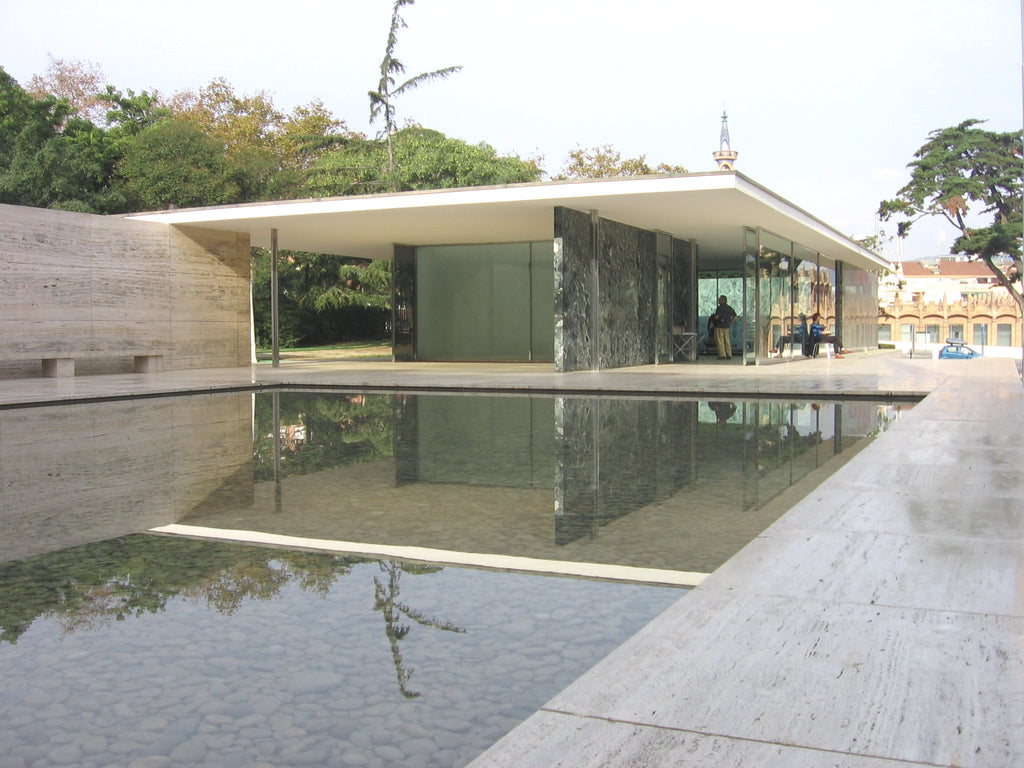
(542, 304)
(907, 332)
(748, 314)
(403, 303)
(1004, 334)
(710, 285)
(932, 331)
(825, 298)
(473, 302)
(805, 282)
(956, 331)
(885, 333)
(775, 294)
(858, 310)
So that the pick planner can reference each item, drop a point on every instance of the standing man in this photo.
(721, 321)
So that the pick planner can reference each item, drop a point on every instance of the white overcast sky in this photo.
(827, 99)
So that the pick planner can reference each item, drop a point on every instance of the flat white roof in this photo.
(710, 208)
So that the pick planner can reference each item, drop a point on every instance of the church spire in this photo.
(725, 156)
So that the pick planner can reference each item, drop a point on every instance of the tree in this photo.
(605, 162)
(961, 167)
(265, 152)
(382, 100)
(424, 159)
(77, 82)
(48, 157)
(173, 163)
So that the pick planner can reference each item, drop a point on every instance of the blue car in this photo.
(955, 349)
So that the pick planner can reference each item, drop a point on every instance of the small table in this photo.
(684, 345)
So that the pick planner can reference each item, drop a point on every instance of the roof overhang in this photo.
(710, 208)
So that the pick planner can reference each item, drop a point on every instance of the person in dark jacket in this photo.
(722, 321)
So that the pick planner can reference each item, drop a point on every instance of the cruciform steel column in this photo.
(274, 337)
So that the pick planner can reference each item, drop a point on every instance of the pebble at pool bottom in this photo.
(284, 661)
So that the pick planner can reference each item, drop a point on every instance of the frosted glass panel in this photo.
(542, 293)
(485, 302)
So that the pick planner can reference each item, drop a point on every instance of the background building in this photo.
(931, 301)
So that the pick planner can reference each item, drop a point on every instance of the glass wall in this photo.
(485, 302)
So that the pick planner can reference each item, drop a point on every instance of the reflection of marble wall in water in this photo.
(84, 472)
(615, 456)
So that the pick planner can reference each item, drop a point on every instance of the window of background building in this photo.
(956, 331)
(885, 333)
(1004, 334)
(907, 332)
(980, 336)
(933, 333)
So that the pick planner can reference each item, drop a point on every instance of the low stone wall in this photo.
(103, 290)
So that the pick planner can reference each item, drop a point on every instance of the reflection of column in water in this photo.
(837, 435)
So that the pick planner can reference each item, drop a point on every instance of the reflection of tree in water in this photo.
(386, 592)
(340, 429)
(92, 585)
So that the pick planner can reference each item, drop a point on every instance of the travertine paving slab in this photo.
(553, 740)
(963, 574)
(935, 687)
(904, 510)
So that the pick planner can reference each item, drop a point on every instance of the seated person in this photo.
(819, 337)
(796, 337)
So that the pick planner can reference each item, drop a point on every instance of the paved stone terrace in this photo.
(879, 622)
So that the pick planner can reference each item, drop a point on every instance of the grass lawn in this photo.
(351, 349)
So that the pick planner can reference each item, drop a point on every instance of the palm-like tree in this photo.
(382, 100)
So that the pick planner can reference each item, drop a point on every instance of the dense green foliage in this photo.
(321, 298)
(424, 159)
(964, 170)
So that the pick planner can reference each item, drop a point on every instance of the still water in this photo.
(121, 647)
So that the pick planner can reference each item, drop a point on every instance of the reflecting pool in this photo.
(122, 647)
(145, 647)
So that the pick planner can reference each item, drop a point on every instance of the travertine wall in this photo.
(101, 289)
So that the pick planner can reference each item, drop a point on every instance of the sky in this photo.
(827, 99)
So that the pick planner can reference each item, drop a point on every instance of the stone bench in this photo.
(61, 363)
(60, 367)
